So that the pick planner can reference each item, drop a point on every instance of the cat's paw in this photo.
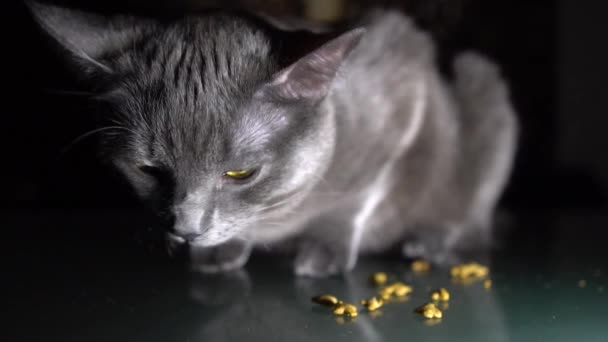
(225, 257)
(315, 259)
(448, 246)
(418, 249)
(437, 245)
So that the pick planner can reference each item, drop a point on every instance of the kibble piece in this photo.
(339, 309)
(487, 284)
(326, 299)
(397, 289)
(429, 311)
(387, 292)
(401, 289)
(379, 278)
(342, 308)
(440, 295)
(420, 266)
(350, 310)
(373, 303)
(470, 270)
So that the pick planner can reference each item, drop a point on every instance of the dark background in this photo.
(552, 53)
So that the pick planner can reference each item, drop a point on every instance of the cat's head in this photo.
(209, 127)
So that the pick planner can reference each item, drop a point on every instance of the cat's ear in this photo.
(310, 78)
(87, 37)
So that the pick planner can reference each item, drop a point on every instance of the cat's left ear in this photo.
(311, 77)
(86, 37)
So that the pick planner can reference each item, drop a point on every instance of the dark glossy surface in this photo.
(72, 279)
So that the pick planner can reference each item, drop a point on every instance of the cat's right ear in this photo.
(85, 36)
(310, 78)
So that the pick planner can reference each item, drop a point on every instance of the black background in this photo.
(551, 52)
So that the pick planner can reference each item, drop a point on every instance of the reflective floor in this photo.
(72, 281)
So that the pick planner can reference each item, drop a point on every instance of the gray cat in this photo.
(354, 147)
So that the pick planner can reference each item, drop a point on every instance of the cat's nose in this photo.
(185, 232)
(187, 224)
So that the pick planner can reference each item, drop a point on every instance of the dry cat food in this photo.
(397, 289)
(440, 295)
(429, 310)
(379, 278)
(421, 266)
(326, 299)
(345, 309)
(373, 303)
(338, 307)
(471, 270)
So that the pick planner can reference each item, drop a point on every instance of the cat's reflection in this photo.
(263, 305)
(238, 306)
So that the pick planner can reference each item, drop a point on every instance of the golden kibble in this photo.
(487, 284)
(469, 271)
(401, 289)
(397, 289)
(387, 292)
(342, 308)
(326, 299)
(440, 295)
(373, 303)
(379, 278)
(429, 311)
(350, 310)
(420, 266)
(339, 309)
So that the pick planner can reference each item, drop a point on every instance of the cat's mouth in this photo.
(175, 240)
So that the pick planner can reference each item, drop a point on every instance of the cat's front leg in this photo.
(316, 258)
(222, 258)
(326, 249)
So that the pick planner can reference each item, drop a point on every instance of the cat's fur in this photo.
(358, 145)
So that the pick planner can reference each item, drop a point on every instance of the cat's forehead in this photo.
(193, 82)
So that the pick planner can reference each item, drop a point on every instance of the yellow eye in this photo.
(239, 174)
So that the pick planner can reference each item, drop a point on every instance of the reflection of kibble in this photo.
(379, 278)
(326, 299)
(471, 270)
(421, 266)
(440, 295)
(373, 303)
(429, 311)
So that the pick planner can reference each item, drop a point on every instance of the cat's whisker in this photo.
(88, 134)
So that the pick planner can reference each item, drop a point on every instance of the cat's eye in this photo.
(151, 170)
(239, 174)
